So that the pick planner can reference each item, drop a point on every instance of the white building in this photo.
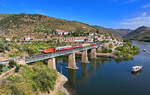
(61, 32)
(28, 39)
(7, 39)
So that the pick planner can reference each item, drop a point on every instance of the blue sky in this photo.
(107, 13)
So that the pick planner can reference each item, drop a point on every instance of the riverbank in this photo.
(59, 87)
(108, 55)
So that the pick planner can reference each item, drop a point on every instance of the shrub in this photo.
(16, 91)
(1, 68)
(60, 93)
(110, 45)
(127, 50)
(3, 45)
(17, 68)
(12, 63)
(106, 50)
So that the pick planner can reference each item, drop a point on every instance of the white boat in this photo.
(136, 68)
(144, 50)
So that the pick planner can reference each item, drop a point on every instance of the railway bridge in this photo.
(71, 56)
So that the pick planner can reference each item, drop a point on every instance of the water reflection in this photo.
(72, 77)
(93, 66)
(134, 74)
(84, 69)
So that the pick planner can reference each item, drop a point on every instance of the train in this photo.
(63, 48)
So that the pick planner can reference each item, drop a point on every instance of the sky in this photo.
(126, 14)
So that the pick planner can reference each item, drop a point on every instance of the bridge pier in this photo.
(93, 54)
(72, 61)
(84, 57)
(52, 63)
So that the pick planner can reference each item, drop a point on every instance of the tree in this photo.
(12, 63)
(4, 45)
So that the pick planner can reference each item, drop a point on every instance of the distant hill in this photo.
(142, 34)
(120, 32)
(124, 31)
(20, 25)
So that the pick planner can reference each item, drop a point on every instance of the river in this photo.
(105, 76)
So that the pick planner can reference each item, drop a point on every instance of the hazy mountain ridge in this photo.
(117, 32)
(142, 34)
(120, 32)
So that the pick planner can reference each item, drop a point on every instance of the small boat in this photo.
(144, 50)
(136, 68)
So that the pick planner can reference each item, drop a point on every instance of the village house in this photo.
(8, 39)
(100, 38)
(89, 39)
(61, 32)
(117, 43)
(27, 39)
(71, 39)
(79, 39)
(108, 38)
(91, 34)
(83, 27)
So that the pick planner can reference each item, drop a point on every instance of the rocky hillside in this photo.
(142, 34)
(18, 26)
